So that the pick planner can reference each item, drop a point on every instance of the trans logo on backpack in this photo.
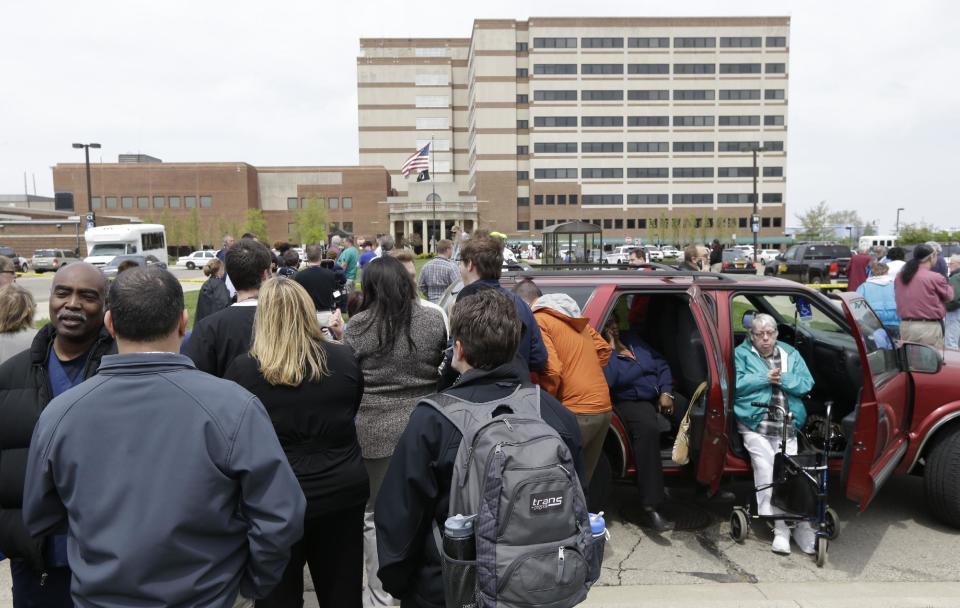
(545, 502)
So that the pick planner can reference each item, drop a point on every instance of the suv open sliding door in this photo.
(713, 446)
(883, 415)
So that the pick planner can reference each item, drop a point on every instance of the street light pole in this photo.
(755, 220)
(899, 209)
(86, 153)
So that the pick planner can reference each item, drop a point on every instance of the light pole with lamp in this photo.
(897, 231)
(755, 220)
(91, 217)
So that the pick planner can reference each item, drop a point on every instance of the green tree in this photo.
(256, 224)
(192, 229)
(816, 223)
(310, 223)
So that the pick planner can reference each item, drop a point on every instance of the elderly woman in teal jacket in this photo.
(771, 372)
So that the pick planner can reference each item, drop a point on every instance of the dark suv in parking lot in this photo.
(10, 253)
(898, 405)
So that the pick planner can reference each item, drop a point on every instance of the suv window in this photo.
(881, 351)
(826, 252)
(791, 253)
(788, 309)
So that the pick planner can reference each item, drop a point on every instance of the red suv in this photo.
(898, 406)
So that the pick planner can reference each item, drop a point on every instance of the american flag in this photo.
(418, 161)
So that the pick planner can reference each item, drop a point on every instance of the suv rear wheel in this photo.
(942, 479)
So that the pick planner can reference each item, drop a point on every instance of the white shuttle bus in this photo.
(106, 242)
(886, 240)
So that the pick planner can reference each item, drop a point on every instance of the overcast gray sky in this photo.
(873, 91)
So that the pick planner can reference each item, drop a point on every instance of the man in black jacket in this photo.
(64, 353)
(485, 329)
(219, 338)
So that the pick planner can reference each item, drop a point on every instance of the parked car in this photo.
(897, 405)
(10, 253)
(654, 254)
(735, 261)
(621, 254)
(669, 251)
(812, 263)
(109, 269)
(768, 255)
(52, 259)
(197, 259)
(747, 249)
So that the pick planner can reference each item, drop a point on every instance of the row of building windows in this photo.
(648, 121)
(663, 95)
(644, 223)
(638, 147)
(657, 42)
(347, 227)
(658, 68)
(333, 202)
(152, 202)
(652, 172)
(642, 95)
(647, 199)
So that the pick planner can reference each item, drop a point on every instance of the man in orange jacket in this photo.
(576, 356)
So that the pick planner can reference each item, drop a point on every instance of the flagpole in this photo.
(433, 185)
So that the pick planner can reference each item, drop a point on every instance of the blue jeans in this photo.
(952, 329)
(29, 593)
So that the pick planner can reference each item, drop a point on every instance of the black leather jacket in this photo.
(24, 392)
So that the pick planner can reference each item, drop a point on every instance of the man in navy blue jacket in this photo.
(481, 263)
(171, 483)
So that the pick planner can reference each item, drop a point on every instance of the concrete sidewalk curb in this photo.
(779, 595)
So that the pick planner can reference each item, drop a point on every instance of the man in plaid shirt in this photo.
(439, 273)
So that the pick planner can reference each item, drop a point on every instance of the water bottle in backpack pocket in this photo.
(533, 539)
(459, 562)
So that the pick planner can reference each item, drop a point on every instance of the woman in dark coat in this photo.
(214, 295)
(311, 390)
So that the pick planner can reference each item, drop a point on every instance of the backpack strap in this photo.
(469, 416)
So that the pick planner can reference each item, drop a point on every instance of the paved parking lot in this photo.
(39, 286)
(894, 546)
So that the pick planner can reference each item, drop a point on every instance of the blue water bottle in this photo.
(598, 526)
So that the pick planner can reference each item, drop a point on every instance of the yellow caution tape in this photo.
(828, 286)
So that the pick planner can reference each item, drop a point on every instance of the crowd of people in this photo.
(143, 463)
(917, 300)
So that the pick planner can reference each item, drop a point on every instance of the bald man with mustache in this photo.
(64, 353)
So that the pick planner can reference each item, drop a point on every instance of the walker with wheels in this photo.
(799, 489)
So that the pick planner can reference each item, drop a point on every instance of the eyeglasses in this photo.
(764, 334)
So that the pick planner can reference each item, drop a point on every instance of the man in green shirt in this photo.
(348, 261)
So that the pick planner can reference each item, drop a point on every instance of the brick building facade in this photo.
(200, 202)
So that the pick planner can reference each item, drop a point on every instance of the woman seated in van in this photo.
(641, 385)
(771, 372)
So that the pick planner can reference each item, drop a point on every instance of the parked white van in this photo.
(871, 241)
(106, 242)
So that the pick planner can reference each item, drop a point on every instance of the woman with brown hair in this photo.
(214, 295)
(311, 389)
(17, 308)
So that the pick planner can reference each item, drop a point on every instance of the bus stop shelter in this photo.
(573, 243)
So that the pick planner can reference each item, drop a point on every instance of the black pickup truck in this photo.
(812, 263)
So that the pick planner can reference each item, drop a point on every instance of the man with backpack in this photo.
(414, 500)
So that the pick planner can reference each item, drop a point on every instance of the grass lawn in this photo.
(190, 303)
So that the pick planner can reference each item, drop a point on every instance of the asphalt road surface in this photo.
(39, 286)
(892, 546)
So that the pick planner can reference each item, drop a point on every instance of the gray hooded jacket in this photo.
(171, 483)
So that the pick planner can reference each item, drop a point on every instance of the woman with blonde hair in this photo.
(214, 295)
(17, 308)
(311, 389)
